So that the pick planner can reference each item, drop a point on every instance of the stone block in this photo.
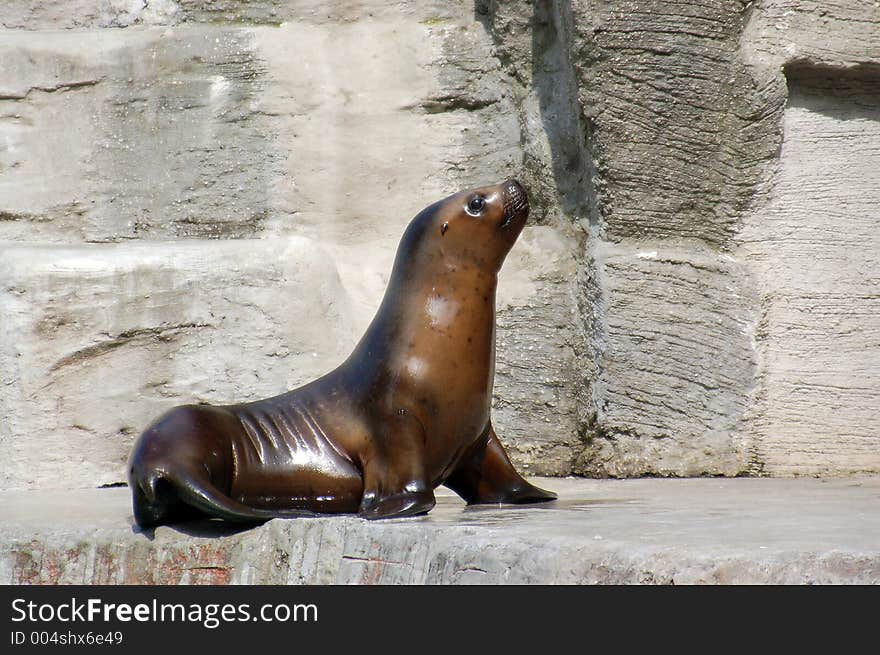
(812, 246)
(203, 123)
(537, 375)
(674, 362)
(96, 341)
(649, 531)
(147, 134)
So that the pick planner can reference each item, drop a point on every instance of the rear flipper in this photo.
(160, 497)
(485, 475)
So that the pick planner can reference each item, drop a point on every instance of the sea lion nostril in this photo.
(515, 199)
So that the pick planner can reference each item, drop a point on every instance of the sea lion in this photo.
(407, 411)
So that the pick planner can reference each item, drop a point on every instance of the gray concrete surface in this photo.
(653, 531)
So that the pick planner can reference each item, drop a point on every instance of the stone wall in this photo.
(200, 201)
(723, 158)
(812, 238)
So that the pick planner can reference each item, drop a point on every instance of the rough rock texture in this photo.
(634, 156)
(675, 361)
(124, 331)
(813, 247)
(709, 256)
(147, 134)
(693, 296)
(811, 238)
(681, 134)
(599, 532)
(262, 159)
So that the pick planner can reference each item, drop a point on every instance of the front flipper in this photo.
(485, 475)
(395, 483)
(411, 501)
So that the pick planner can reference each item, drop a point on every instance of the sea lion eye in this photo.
(476, 205)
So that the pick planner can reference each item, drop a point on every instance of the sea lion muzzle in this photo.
(515, 201)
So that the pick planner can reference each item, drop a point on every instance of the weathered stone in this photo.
(706, 531)
(645, 402)
(661, 125)
(829, 32)
(674, 362)
(193, 123)
(71, 14)
(671, 105)
(535, 408)
(679, 305)
(78, 14)
(812, 246)
(149, 134)
(98, 340)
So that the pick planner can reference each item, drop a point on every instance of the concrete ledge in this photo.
(716, 530)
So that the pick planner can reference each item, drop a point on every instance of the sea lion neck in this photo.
(430, 297)
(422, 258)
(428, 294)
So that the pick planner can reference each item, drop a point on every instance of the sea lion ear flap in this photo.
(443, 229)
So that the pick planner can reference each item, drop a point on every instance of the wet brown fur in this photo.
(407, 411)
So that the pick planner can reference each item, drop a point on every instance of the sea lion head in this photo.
(477, 227)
